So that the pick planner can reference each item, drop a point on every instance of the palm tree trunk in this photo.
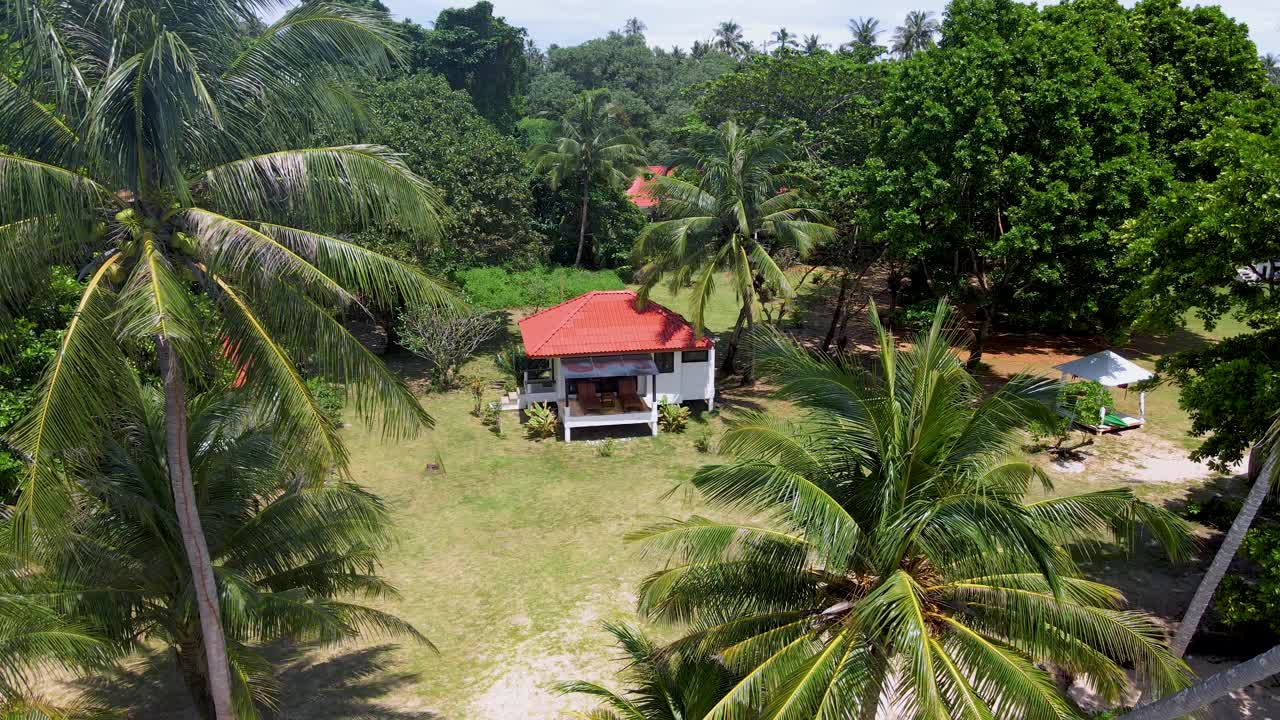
(582, 223)
(749, 367)
(730, 356)
(838, 315)
(1206, 691)
(197, 550)
(1226, 553)
(980, 339)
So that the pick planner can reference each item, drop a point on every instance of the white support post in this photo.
(1142, 406)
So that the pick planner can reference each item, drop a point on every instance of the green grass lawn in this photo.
(511, 556)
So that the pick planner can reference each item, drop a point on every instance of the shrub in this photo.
(477, 386)
(1084, 399)
(1087, 397)
(1241, 602)
(672, 417)
(492, 288)
(607, 448)
(445, 338)
(702, 443)
(541, 421)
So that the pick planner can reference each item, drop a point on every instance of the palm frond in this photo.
(332, 187)
(77, 392)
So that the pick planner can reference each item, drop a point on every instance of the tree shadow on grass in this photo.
(355, 684)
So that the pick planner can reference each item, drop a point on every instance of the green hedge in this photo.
(492, 288)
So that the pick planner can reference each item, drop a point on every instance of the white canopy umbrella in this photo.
(1111, 370)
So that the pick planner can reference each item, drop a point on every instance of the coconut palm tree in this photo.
(866, 37)
(784, 41)
(1271, 63)
(166, 153)
(897, 561)
(659, 686)
(729, 39)
(915, 33)
(742, 209)
(813, 44)
(291, 557)
(592, 150)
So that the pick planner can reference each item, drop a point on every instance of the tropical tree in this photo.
(742, 209)
(291, 556)
(634, 27)
(784, 41)
(659, 685)
(813, 44)
(916, 33)
(866, 38)
(591, 150)
(1271, 63)
(167, 154)
(729, 39)
(899, 562)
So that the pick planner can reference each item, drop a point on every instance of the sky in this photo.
(680, 22)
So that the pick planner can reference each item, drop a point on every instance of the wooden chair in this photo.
(628, 396)
(588, 398)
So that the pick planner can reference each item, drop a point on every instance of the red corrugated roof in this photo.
(639, 190)
(607, 322)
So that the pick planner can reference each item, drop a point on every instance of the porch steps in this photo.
(510, 401)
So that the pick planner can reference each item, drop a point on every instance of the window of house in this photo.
(540, 369)
(694, 356)
(665, 361)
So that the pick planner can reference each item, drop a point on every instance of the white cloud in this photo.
(680, 22)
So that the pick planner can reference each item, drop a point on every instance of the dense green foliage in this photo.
(479, 171)
(1250, 602)
(1027, 108)
(478, 53)
(1189, 251)
(28, 342)
(893, 555)
(498, 289)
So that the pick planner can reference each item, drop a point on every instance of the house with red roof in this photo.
(604, 360)
(639, 191)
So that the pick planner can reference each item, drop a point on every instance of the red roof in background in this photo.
(606, 322)
(639, 190)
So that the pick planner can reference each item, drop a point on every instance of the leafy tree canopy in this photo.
(1009, 157)
(479, 171)
(480, 53)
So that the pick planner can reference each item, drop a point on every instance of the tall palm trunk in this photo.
(1206, 691)
(1226, 552)
(838, 315)
(582, 222)
(730, 356)
(749, 367)
(193, 542)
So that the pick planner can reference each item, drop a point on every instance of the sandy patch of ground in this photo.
(522, 684)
